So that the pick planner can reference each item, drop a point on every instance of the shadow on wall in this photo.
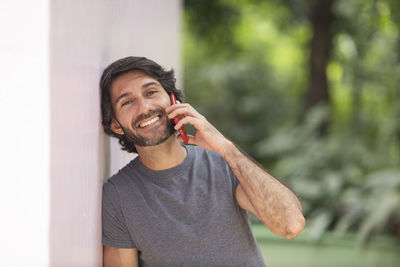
(85, 36)
(79, 151)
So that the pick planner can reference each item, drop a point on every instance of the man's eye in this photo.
(126, 103)
(151, 92)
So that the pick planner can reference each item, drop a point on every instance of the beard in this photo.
(160, 135)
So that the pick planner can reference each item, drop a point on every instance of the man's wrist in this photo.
(226, 148)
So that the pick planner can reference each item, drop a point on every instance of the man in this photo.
(176, 204)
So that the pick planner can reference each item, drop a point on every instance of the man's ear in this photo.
(116, 128)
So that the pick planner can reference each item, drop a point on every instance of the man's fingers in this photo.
(177, 112)
(175, 106)
(188, 119)
(183, 109)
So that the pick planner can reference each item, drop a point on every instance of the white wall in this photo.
(25, 133)
(54, 155)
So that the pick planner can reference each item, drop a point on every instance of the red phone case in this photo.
(176, 119)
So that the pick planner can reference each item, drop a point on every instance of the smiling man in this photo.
(177, 204)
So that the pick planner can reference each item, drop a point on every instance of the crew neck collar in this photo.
(138, 166)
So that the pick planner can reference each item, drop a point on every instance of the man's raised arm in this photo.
(263, 195)
(258, 192)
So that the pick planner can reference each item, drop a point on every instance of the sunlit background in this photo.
(311, 90)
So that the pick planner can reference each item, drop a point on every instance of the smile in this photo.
(144, 124)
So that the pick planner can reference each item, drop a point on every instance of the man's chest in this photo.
(182, 220)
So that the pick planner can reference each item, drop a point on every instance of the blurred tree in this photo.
(322, 18)
(214, 21)
(253, 67)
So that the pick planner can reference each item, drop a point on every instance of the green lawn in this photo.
(331, 251)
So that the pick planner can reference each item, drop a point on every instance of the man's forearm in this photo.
(274, 204)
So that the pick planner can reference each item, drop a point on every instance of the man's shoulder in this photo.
(199, 151)
(212, 156)
(121, 177)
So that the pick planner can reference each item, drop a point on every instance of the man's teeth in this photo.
(144, 124)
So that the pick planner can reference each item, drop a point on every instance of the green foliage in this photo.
(258, 89)
(246, 69)
(343, 184)
(331, 251)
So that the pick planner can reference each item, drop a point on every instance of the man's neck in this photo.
(163, 156)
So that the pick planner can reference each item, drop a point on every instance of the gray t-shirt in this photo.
(183, 216)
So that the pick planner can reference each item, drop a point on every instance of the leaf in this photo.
(319, 225)
(379, 217)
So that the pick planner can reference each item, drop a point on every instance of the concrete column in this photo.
(54, 155)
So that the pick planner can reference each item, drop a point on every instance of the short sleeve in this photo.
(219, 162)
(234, 179)
(222, 164)
(115, 232)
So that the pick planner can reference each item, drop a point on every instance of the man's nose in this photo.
(143, 106)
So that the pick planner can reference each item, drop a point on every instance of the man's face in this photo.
(139, 103)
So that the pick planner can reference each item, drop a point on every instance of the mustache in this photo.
(153, 112)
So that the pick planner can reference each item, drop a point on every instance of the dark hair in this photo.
(122, 66)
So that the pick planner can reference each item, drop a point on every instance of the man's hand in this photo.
(207, 136)
(258, 192)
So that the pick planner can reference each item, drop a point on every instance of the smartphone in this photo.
(176, 119)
